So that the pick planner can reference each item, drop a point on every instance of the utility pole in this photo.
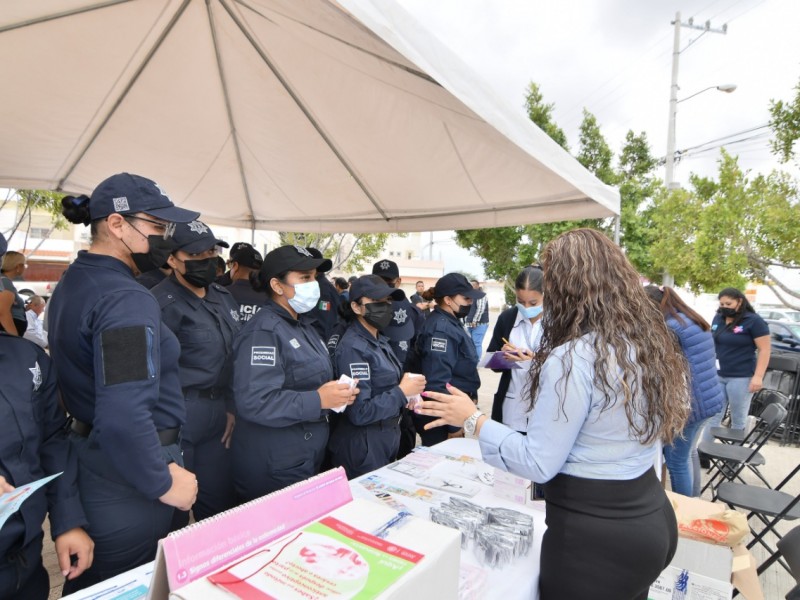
(669, 182)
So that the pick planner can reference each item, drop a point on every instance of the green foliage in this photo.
(541, 113)
(31, 201)
(785, 124)
(348, 252)
(595, 153)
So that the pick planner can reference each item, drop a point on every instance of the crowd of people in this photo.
(178, 381)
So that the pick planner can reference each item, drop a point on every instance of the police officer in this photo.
(447, 354)
(367, 436)
(326, 312)
(402, 332)
(204, 317)
(117, 369)
(33, 445)
(243, 261)
(282, 380)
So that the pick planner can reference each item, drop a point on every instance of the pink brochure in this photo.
(204, 547)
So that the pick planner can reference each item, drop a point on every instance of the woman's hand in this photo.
(183, 493)
(5, 487)
(450, 409)
(756, 383)
(75, 542)
(336, 395)
(515, 354)
(226, 435)
(412, 384)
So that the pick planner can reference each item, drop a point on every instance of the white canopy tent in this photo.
(292, 115)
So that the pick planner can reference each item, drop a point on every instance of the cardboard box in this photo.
(709, 571)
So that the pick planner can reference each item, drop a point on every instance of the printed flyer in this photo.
(326, 559)
(11, 501)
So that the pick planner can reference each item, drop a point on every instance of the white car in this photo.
(780, 314)
(26, 289)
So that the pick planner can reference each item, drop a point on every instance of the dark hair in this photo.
(345, 312)
(530, 278)
(420, 281)
(260, 283)
(671, 305)
(76, 210)
(341, 283)
(746, 307)
(221, 264)
(591, 288)
(352, 278)
(429, 295)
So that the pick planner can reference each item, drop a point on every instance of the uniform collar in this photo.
(103, 260)
(362, 331)
(190, 297)
(444, 313)
(280, 311)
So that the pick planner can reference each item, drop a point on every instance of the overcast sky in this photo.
(614, 58)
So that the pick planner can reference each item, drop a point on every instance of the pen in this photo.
(396, 522)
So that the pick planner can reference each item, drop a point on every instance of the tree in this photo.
(541, 114)
(594, 153)
(785, 124)
(348, 252)
(724, 232)
(28, 202)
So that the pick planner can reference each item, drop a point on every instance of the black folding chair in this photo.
(770, 506)
(761, 399)
(730, 460)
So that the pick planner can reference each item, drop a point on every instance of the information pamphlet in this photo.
(11, 501)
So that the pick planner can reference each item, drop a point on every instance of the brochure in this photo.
(11, 501)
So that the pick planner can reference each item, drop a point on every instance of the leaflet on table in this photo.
(326, 559)
(130, 585)
(197, 550)
(497, 361)
(11, 501)
(376, 483)
(451, 485)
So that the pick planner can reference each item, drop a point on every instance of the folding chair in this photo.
(761, 399)
(730, 460)
(770, 506)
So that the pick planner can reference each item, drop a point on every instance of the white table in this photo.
(517, 580)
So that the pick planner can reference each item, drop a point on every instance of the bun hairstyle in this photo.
(260, 282)
(428, 294)
(76, 209)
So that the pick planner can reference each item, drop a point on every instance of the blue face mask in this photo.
(306, 296)
(530, 312)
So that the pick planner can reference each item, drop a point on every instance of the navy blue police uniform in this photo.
(205, 328)
(281, 430)
(367, 435)
(446, 354)
(250, 301)
(151, 279)
(117, 370)
(402, 331)
(33, 444)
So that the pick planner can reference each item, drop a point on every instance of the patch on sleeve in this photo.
(438, 345)
(359, 371)
(125, 354)
(262, 356)
(334, 341)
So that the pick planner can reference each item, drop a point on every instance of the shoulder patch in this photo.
(126, 353)
(333, 341)
(165, 300)
(359, 371)
(262, 356)
(438, 345)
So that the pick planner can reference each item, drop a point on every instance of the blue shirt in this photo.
(579, 439)
(735, 345)
(279, 363)
(33, 445)
(205, 328)
(370, 360)
(96, 308)
(447, 354)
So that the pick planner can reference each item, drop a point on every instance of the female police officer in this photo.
(367, 436)
(445, 350)
(117, 369)
(33, 445)
(204, 317)
(282, 380)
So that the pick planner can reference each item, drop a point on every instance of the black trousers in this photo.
(22, 574)
(605, 539)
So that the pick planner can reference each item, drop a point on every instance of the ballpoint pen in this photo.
(394, 523)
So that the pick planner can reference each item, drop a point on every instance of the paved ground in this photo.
(776, 582)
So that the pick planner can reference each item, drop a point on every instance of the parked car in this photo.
(780, 314)
(785, 335)
(26, 289)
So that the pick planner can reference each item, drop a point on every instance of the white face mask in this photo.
(306, 296)
(530, 312)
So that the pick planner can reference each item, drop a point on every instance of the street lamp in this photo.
(673, 109)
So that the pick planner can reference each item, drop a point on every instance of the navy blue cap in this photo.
(195, 237)
(327, 263)
(247, 256)
(374, 288)
(453, 284)
(127, 194)
(3, 245)
(386, 268)
(289, 258)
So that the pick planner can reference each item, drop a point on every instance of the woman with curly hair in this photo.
(608, 386)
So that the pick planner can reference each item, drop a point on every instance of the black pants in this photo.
(22, 574)
(605, 539)
(437, 435)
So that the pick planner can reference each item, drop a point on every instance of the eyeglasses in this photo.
(165, 229)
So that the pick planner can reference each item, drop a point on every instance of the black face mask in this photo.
(378, 314)
(156, 256)
(727, 312)
(200, 273)
(463, 311)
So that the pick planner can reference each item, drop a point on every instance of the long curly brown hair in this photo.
(592, 288)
